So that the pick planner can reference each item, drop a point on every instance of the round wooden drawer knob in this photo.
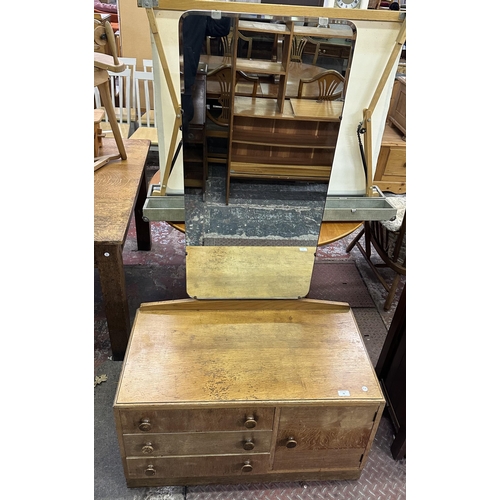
(248, 445)
(247, 467)
(150, 471)
(147, 449)
(291, 443)
(145, 424)
(250, 422)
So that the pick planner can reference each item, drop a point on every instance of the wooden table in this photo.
(120, 189)
(328, 233)
(296, 71)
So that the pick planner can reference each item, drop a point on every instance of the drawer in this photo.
(202, 466)
(197, 443)
(396, 162)
(202, 420)
(323, 437)
(194, 135)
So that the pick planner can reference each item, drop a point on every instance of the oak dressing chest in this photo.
(230, 391)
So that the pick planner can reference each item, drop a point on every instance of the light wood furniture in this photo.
(103, 63)
(145, 108)
(98, 116)
(120, 190)
(280, 138)
(328, 85)
(390, 173)
(297, 143)
(245, 391)
(121, 92)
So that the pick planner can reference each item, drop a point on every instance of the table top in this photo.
(296, 71)
(115, 190)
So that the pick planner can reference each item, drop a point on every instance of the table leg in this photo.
(109, 262)
(142, 227)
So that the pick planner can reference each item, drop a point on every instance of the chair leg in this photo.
(104, 91)
(354, 241)
(392, 292)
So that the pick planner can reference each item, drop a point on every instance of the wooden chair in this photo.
(121, 94)
(388, 238)
(145, 108)
(226, 43)
(218, 112)
(298, 45)
(329, 86)
(104, 62)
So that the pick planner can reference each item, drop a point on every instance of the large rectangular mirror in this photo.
(252, 192)
(262, 99)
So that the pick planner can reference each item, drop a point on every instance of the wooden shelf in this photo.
(293, 141)
(338, 31)
(275, 171)
(281, 138)
(314, 110)
(260, 66)
(260, 27)
(263, 107)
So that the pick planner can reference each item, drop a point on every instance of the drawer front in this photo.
(323, 437)
(194, 135)
(197, 443)
(202, 466)
(396, 162)
(203, 420)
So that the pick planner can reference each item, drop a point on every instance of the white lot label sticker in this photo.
(344, 393)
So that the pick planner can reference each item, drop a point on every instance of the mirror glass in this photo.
(260, 125)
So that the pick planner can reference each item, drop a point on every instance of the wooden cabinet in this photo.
(194, 138)
(245, 391)
(390, 174)
(397, 110)
(266, 143)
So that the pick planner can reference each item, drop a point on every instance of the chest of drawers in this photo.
(390, 174)
(245, 391)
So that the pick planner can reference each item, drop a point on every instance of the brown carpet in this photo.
(339, 280)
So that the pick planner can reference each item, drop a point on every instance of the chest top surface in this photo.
(237, 352)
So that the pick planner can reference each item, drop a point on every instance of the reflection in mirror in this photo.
(262, 99)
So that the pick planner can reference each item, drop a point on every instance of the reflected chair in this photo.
(325, 86)
(298, 45)
(218, 113)
(226, 45)
(388, 238)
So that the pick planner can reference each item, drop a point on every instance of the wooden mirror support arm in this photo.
(173, 97)
(367, 113)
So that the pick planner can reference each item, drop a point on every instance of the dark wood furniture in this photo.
(120, 190)
(231, 391)
(388, 239)
(391, 371)
(194, 150)
(396, 115)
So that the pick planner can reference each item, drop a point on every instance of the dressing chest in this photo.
(237, 391)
